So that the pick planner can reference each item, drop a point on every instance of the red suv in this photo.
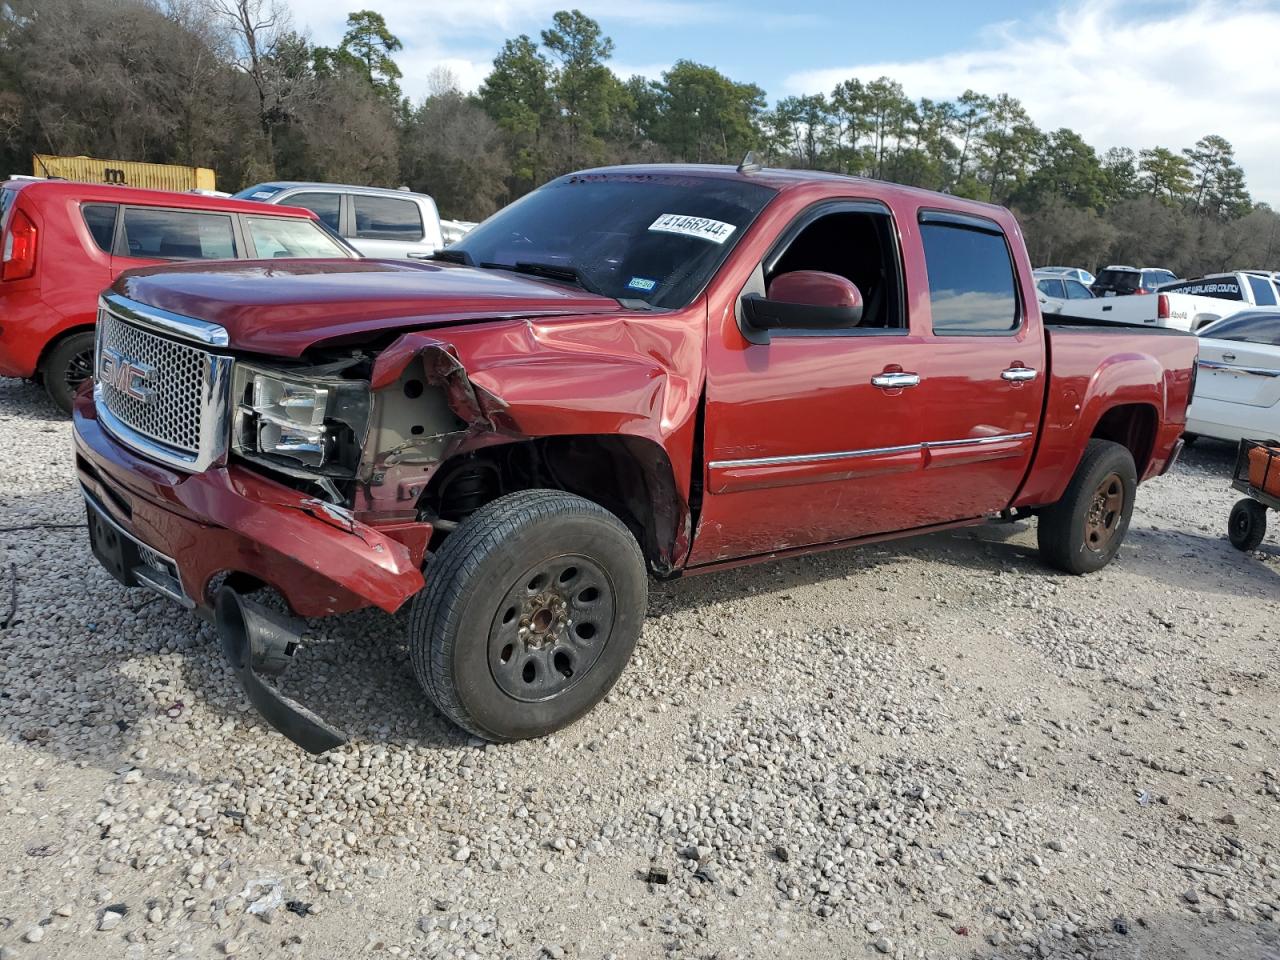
(63, 243)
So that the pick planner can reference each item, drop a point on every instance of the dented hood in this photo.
(282, 308)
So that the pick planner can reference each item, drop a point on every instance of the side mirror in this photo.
(803, 300)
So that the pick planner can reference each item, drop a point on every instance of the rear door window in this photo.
(1264, 295)
(386, 218)
(1077, 290)
(178, 234)
(100, 218)
(971, 283)
(1050, 288)
(326, 206)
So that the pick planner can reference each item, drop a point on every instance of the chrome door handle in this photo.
(890, 381)
(420, 256)
(1228, 357)
(1019, 374)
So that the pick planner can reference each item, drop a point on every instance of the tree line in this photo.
(235, 85)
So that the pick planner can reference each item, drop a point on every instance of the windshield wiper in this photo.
(453, 256)
(551, 271)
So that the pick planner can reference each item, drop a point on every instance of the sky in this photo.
(1137, 73)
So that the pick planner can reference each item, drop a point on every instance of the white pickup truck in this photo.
(379, 222)
(1187, 304)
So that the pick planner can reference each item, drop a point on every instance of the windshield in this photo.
(629, 236)
(275, 237)
(262, 191)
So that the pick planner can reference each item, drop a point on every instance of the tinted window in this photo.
(386, 218)
(1264, 295)
(178, 234)
(1078, 291)
(1157, 278)
(1120, 281)
(1250, 327)
(100, 218)
(970, 280)
(1220, 288)
(323, 205)
(652, 237)
(275, 237)
(1050, 288)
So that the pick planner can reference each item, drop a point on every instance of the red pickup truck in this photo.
(662, 370)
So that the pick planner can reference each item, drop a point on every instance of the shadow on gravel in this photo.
(24, 400)
(1181, 935)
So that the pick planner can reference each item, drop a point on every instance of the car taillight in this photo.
(1162, 306)
(19, 248)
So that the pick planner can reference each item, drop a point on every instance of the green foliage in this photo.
(233, 85)
(368, 45)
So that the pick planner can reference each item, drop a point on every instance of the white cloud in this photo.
(1121, 74)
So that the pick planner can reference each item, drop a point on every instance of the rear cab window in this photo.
(178, 234)
(971, 281)
(386, 218)
(1121, 281)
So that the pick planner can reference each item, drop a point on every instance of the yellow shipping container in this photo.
(153, 176)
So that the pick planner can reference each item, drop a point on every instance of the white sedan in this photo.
(1238, 381)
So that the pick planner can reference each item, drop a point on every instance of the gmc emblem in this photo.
(127, 376)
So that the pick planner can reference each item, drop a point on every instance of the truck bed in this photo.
(1068, 321)
(1097, 366)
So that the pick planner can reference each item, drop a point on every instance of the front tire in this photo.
(530, 614)
(1247, 524)
(68, 364)
(1083, 531)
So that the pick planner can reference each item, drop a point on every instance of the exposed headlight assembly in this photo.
(290, 419)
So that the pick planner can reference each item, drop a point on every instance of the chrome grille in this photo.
(172, 415)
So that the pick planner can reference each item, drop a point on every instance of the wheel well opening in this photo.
(54, 343)
(629, 476)
(1133, 426)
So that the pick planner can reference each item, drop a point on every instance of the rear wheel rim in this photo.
(551, 628)
(1105, 512)
(79, 369)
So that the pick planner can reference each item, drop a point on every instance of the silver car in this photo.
(379, 222)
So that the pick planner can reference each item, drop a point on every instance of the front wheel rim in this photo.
(1105, 513)
(79, 369)
(551, 628)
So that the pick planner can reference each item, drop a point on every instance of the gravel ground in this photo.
(934, 748)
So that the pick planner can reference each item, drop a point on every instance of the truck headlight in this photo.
(311, 422)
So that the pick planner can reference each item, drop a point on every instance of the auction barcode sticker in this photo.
(716, 231)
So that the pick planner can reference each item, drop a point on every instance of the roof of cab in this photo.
(785, 179)
(112, 193)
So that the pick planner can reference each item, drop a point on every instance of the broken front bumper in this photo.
(232, 520)
(176, 533)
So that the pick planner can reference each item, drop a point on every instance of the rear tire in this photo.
(1083, 531)
(1247, 524)
(531, 610)
(67, 365)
